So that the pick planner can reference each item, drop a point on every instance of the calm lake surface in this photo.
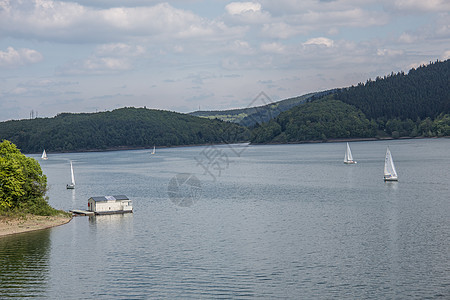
(281, 221)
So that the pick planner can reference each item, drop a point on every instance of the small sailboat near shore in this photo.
(390, 174)
(348, 158)
(71, 186)
(44, 155)
(154, 149)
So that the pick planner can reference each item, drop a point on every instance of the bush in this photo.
(22, 183)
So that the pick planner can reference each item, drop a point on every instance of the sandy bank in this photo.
(12, 225)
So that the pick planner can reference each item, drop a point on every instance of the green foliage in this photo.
(251, 116)
(318, 120)
(22, 183)
(121, 128)
(423, 92)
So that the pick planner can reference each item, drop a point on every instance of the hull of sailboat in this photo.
(391, 178)
(350, 162)
(70, 186)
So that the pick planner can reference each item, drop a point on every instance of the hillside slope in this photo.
(319, 120)
(398, 105)
(423, 92)
(125, 127)
(251, 116)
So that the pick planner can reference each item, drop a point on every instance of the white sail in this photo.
(348, 158)
(44, 155)
(390, 174)
(71, 185)
(154, 148)
(71, 171)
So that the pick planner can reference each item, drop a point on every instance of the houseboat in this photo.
(104, 205)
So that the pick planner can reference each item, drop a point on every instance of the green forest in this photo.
(120, 128)
(322, 119)
(416, 104)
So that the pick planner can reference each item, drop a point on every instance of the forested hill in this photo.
(423, 92)
(398, 105)
(259, 114)
(125, 127)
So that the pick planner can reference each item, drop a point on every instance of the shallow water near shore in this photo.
(275, 221)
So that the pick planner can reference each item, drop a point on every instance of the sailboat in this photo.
(71, 186)
(154, 148)
(348, 158)
(44, 155)
(390, 174)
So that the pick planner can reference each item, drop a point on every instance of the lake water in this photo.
(281, 221)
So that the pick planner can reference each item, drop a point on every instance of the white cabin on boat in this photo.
(118, 204)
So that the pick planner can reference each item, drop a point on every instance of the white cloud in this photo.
(71, 22)
(446, 55)
(241, 47)
(407, 38)
(389, 52)
(120, 49)
(13, 58)
(246, 13)
(107, 58)
(320, 41)
(280, 30)
(273, 48)
(239, 8)
(353, 17)
(421, 5)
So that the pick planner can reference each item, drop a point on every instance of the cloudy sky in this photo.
(96, 55)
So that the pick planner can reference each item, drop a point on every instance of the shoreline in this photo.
(340, 140)
(15, 225)
(337, 140)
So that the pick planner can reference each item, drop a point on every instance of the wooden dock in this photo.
(79, 212)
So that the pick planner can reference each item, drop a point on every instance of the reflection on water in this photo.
(24, 264)
(112, 220)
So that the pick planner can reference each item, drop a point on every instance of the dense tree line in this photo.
(125, 127)
(423, 92)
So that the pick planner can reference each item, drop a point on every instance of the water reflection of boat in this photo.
(107, 219)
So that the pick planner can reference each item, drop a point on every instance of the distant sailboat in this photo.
(390, 174)
(44, 155)
(71, 186)
(154, 148)
(348, 159)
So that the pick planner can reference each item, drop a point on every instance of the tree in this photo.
(22, 183)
